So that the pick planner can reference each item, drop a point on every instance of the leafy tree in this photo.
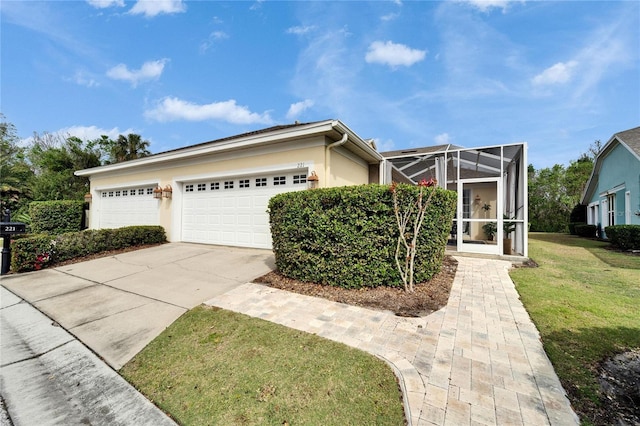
(126, 148)
(15, 173)
(555, 191)
(54, 160)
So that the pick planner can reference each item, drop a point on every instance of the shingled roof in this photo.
(631, 138)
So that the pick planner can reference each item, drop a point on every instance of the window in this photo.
(466, 203)
(215, 186)
(117, 193)
(149, 191)
(125, 193)
(261, 182)
(280, 180)
(188, 188)
(110, 193)
(299, 179)
(202, 187)
(611, 209)
(141, 191)
(244, 183)
(228, 184)
(104, 194)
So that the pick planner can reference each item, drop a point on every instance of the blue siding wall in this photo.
(620, 168)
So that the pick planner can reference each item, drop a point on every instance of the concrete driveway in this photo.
(116, 305)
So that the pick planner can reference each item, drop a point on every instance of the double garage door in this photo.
(233, 211)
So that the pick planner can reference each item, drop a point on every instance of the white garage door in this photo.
(233, 211)
(126, 207)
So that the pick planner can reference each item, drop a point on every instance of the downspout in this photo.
(327, 157)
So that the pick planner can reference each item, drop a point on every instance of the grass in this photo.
(585, 301)
(213, 366)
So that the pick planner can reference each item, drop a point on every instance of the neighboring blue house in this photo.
(612, 194)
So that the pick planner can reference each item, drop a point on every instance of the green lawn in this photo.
(585, 301)
(222, 368)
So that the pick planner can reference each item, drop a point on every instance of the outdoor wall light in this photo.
(157, 193)
(87, 197)
(477, 200)
(312, 180)
(167, 191)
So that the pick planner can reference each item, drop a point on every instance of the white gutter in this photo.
(340, 142)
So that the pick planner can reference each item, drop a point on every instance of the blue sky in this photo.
(557, 75)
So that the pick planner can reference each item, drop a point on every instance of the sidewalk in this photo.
(47, 377)
(479, 360)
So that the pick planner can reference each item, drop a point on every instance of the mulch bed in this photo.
(427, 298)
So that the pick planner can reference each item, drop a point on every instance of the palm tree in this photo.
(129, 147)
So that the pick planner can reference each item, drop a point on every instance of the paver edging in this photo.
(409, 415)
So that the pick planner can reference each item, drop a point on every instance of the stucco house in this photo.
(612, 194)
(217, 192)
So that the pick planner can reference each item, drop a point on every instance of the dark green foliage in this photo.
(39, 251)
(626, 237)
(347, 236)
(587, 231)
(56, 217)
(572, 227)
(31, 253)
(578, 214)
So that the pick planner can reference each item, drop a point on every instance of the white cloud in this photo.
(150, 70)
(486, 5)
(151, 8)
(92, 132)
(389, 17)
(300, 30)
(393, 54)
(559, 73)
(213, 38)
(103, 4)
(84, 79)
(85, 133)
(172, 109)
(442, 139)
(298, 108)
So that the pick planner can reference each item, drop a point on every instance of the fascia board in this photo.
(589, 190)
(188, 152)
(358, 142)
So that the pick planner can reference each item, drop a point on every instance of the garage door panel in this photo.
(237, 214)
(127, 207)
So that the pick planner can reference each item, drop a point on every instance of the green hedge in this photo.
(347, 236)
(587, 231)
(40, 251)
(627, 237)
(572, 227)
(56, 217)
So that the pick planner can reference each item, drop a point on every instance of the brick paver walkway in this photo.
(479, 360)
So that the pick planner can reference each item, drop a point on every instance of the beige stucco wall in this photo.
(309, 155)
(345, 169)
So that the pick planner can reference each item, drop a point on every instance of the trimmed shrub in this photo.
(347, 236)
(626, 237)
(56, 217)
(40, 251)
(578, 214)
(572, 227)
(31, 253)
(587, 231)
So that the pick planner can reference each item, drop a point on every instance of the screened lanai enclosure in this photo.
(491, 182)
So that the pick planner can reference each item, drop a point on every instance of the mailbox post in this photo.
(7, 229)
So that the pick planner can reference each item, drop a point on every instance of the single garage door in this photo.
(127, 207)
(233, 211)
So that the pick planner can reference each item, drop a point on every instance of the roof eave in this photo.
(213, 147)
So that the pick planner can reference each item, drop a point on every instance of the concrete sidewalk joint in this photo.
(479, 360)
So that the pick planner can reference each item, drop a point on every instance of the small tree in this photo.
(409, 217)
